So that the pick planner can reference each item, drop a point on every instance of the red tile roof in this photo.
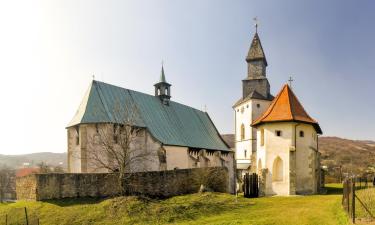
(286, 107)
(26, 171)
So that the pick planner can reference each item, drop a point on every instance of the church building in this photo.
(274, 136)
(176, 136)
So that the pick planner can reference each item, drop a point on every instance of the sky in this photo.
(50, 50)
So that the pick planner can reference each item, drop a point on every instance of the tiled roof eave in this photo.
(315, 124)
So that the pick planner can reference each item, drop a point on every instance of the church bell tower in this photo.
(255, 99)
(256, 82)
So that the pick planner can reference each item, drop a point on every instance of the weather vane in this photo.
(290, 81)
(256, 23)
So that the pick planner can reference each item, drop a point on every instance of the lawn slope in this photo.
(207, 208)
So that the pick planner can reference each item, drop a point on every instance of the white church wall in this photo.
(80, 156)
(273, 148)
(306, 165)
(177, 157)
(245, 114)
(74, 152)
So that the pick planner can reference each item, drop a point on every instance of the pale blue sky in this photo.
(50, 49)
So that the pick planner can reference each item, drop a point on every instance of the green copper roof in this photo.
(173, 124)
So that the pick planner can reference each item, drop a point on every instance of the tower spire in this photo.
(256, 83)
(162, 88)
(162, 74)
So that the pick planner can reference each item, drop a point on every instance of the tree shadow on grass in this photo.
(65, 202)
(334, 189)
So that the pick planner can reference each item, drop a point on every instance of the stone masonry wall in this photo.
(154, 184)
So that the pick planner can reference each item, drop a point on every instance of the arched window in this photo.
(242, 131)
(260, 167)
(277, 170)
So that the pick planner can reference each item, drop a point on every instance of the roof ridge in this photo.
(269, 110)
(289, 93)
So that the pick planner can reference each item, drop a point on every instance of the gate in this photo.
(251, 185)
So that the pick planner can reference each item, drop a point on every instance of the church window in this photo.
(77, 135)
(258, 105)
(245, 153)
(277, 170)
(242, 132)
(247, 106)
(278, 133)
(301, 133)
(262, 137)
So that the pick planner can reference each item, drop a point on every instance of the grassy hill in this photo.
(16, 161)
(353, 155)
(207, 208)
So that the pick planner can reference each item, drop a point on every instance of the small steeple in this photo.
(162, 75)
(162, 88)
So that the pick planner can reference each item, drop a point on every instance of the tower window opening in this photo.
(245, 153)
(262, 137)
(301, 133)
(278, 133)
(242, 132)
(258, 105)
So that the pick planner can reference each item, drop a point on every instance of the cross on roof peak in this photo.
(290, 81)
(256, 21)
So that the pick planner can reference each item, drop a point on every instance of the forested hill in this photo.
(33, 159)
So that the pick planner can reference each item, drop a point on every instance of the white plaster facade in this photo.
(298, 153)
(161, 157)
(245, 139)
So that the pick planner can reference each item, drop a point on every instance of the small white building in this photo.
(288, 159)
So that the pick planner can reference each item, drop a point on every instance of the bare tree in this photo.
(120, 146)
(44, 168)
(6, 176)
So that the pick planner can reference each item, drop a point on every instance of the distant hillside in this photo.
(16, 161)
(352, 155)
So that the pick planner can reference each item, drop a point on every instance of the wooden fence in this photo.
(251, 185)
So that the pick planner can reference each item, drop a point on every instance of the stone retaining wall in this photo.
(154, 184)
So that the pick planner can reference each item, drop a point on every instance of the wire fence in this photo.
(358, 199)
(20, 216)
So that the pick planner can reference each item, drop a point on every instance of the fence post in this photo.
(353, 202)
(6, 219)
(27, 219)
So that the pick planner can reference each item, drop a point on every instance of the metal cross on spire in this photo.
(256, 24)
(290, 81)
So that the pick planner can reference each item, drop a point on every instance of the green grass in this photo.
(367, 197)
(207, 208)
